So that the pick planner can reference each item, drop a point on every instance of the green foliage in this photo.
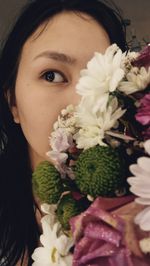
(47, 183)
(67, 208)
(99, 171)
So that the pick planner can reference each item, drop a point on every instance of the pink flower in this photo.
(99, 237)
(143, 115)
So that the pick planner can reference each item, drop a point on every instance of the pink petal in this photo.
(96, 212)
(122, 258)
(105, 250)
(101, 231)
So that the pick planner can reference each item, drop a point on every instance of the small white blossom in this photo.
(137, 80)
(66, 120)
(55, 249)
(69, 110)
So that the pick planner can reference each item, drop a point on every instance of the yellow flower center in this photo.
(53, 255)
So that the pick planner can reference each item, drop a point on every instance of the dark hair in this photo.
(18, 226)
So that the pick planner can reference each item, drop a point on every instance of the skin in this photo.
(38, 100)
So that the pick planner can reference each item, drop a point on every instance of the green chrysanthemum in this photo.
(47, 183)
(67, 208)
(99, 171)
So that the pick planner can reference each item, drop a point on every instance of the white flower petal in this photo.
(67, 260)
(41, 256)
(87, 86)
(140, 191)
(117, 59)
(49, 208)
(101, 103)
(53, 246)
(116, 78)
(137, 182)
(63, 244)
(48, 221)
(138, 171)
(143, 219)
(143, 201)
(144, 163)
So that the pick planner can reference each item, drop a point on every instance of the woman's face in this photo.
(49, 69)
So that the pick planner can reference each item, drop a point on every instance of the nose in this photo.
(75, 97)
(71, 96)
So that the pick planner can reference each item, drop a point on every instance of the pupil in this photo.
(50, 76)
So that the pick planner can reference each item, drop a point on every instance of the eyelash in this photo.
(53, 75)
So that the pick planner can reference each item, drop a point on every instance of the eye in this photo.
(54, 76)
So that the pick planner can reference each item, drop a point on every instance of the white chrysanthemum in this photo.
(140, 186)
(137, 80)
(66, 120)
(93, 126)
(55, 249)
(102, 75)
(89, 137)
(105, 120)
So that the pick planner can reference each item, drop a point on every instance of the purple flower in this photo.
(143, 114)
(143, 59)
(60, 140)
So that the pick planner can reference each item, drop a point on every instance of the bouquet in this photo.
(95, 186)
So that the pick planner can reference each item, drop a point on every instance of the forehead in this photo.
(68, 32)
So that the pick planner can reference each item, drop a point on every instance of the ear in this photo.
(14, 111)
(13, 107)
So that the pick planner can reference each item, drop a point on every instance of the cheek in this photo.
(37, 114)
(38, 109)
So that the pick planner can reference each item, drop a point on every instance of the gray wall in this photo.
(9, 10)
(138, 11)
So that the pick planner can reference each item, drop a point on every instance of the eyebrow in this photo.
(64, 58)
